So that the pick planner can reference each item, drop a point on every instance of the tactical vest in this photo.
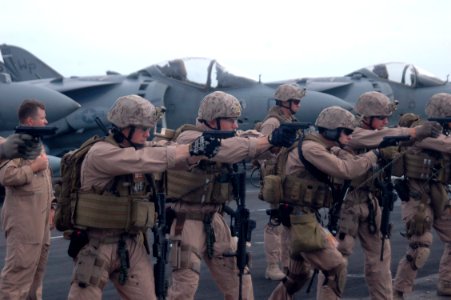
(206, 183)
(275, 112)
(127, 204)
(268, 167)
(428, 165)
(300, 188)
(124, 204)
(367, 181)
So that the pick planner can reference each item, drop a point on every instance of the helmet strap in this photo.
(281, 104)
(218, 123)
(208, 125)
(368, 124)
(119, 137)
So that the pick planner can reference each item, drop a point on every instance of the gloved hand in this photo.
(20, 145)
(282, 136)
(207, 146)
(428, 129)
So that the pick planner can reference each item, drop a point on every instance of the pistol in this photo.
(444, 121)
(441, 120)
(393, 140)
(36, 132)
(297, 125)
(219, 134)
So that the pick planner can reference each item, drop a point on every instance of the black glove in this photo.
(20, 145)
(282, 137)
(207, 146)
(428, 129)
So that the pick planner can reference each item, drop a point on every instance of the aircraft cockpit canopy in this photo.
(406, 74)
(202, 71)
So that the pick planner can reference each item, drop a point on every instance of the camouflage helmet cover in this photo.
(439, 105)
(407, 119)
(334, 117)
(371, 104)
(133, 110)
(218, 105)
(289, 91)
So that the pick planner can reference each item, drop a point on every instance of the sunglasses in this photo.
(347, 131)
(295, 101)
(381, 117)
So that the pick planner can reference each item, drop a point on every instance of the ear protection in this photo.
(331, 134)
(117, 135)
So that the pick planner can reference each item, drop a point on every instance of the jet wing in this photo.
(64, 85)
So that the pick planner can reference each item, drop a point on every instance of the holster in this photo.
(78, 239)
(284, 214)
(402, 189)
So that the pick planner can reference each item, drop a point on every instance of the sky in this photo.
(276, 40)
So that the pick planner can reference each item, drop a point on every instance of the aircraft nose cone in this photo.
(314, 102)
(12, 95)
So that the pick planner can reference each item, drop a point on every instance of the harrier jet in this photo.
(179, 85)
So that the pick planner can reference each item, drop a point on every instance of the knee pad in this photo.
(419, 255)
(336, 279)
(296, 279)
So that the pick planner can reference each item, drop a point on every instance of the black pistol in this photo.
(219, 134)
(393, 140)
(37, 132)
(297, 125)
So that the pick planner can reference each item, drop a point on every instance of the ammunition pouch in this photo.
(272, 189)
(427, 166)
(401, 187)
(199, 186)
(439, 199)
(305, 192)
(131, 214)
(307, 235)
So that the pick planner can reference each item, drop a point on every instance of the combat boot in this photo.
(397, 295)
(444, 288)
(273, 272)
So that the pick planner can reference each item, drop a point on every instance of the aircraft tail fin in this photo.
(22, 65)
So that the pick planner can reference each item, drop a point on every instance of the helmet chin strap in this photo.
(289, 107)
(119, 137)
(369, 125)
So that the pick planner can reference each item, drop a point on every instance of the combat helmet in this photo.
(439, 106)
(133, 110)
(334, 117)
(289, 91)
(408, 119)
(218, 105)
(372, 104)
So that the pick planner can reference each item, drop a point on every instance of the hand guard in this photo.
(20, 145)
(282, 137)
(207, 146)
